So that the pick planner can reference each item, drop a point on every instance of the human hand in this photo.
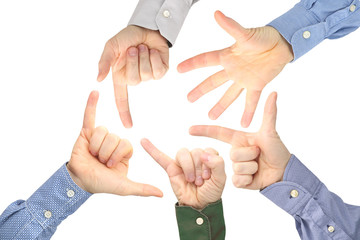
(259, 159)
(100, 160)
(197, 177)
(135, 54)
(256, 58)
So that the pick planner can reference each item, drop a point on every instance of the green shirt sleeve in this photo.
(205, 224)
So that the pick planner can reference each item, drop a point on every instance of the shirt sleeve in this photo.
(319, 213)
(39, 216)
(167, 16)
(205, 224)
(312, 21)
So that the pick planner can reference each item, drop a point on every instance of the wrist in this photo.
(74, 177)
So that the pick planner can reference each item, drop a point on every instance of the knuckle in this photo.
(113, 137)
(101, 129)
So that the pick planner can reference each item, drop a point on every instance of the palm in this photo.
(190, 194)
(256, 58)
(253, 62)
(104, 179)
(94, 176)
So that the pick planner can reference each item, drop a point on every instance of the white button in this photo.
(166, 14)
(352, 8)
(199, 221)
(294, 193)
(47, 214)
(306, 34)
(70, 193)
(331, 229)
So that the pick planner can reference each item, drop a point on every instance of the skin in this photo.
(134, 55)
(259, 159)
(256, 58)
(100, 160)
(181, 172)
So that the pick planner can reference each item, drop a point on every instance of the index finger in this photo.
(121, 99)
(90, 110)
(161, 158)
(220, 133)
(202, 60)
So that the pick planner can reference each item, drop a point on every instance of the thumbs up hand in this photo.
(259, 159)
(197, 177)
(257, 57)
(100, 160)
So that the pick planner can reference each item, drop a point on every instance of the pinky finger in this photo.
(242, 181)
(229, 97)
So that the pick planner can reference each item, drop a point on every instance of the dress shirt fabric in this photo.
(39, 216)
(312, 21)
(205, 224)
(167, 16)
(319, 213)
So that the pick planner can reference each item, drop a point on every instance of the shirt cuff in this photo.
(205, 224)
(297, 188)
(166, 16)
(56, 199)
(300, 28)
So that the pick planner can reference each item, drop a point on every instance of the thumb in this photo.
(216, 165)
(270, 112)
(141, 189)
(231, 26)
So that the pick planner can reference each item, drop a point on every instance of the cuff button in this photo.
(47, 214)
(199, 221)
(306, 34)
(294, 193)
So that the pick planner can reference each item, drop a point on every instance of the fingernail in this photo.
(133, 52)
(142, 48)
(206, 173)
(191, 178)
(110, 163)
(199, 181)
(205, 156)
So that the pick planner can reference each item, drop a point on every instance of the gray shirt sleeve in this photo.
(167, 16)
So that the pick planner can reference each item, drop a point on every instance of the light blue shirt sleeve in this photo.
(312, 21)
(167, 16)
(39, 216)
(319, 213)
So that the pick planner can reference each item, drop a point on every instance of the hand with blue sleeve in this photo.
(262, 162)
(100, 160)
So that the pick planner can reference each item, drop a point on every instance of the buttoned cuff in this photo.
(296, 189)
(304, 29)
(166, 16)
(56, 199)
(299, 27)
(304, 196)
(205, 224)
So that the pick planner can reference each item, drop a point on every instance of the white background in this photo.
(48, 65)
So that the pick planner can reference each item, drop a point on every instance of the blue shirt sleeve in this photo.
(39, 216)
(319, 213)
(312, 21)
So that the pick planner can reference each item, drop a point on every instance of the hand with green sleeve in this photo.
(198, 179)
